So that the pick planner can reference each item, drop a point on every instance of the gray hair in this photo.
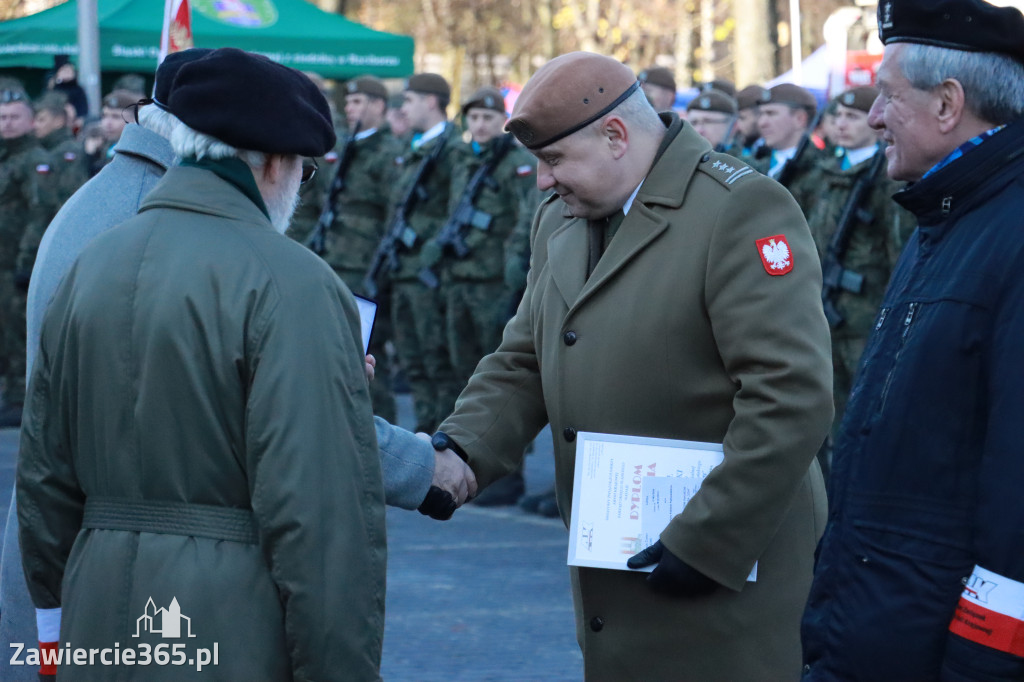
(155, 119)
(993, 83)
(636, 111)
(189, 143)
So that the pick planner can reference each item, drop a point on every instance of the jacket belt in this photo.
(171, 518)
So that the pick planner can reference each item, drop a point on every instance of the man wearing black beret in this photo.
(920, 573)
(198, 424)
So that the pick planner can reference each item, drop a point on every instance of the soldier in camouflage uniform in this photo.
(496, 229)
(27, 203)
(70, 163)
(360, 210)
(712, 114)
(785, 112)
(874, 240)
(417, 311)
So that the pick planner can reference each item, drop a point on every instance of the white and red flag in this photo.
(177, 31)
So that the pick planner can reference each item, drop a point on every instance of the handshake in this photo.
(453, 483)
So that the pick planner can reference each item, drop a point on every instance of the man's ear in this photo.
(951, 100)
(615, 132)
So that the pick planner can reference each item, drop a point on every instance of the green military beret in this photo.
(713, 100)
(367, 85)
(793, 95)
(660, 76)
(860, 98)
(485, 98)
(429, 84)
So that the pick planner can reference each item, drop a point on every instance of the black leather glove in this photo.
(438, 504)
(672, 576)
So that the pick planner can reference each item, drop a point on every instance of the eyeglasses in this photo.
(8, 96)
(308, 171)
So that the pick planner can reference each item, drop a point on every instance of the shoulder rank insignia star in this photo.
(775, 254)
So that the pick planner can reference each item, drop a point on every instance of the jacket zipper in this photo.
(899, 351)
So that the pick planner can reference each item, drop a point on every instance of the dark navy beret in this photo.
(250, 102)
(970, 25)
(168, 69)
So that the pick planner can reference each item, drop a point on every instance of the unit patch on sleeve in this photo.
(991, 612)
(775, 254)
(524, 170)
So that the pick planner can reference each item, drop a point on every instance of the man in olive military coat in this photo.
(676, 293)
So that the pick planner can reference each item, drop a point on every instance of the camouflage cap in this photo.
(970, 25)
(860, 98)
(751, 96)
(485, 98)
(712, 100)
(660, 76)
(568, 93)
(429, 84)
(793, 95)
(367, 85)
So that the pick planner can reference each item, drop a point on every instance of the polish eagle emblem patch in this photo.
(775, 254)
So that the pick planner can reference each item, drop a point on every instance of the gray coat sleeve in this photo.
(407, 464)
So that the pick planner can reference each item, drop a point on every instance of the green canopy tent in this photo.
(292, 32)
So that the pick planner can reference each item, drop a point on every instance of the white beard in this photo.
(282, 204)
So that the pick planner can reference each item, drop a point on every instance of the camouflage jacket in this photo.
(361, 209)
(431, 202)
(509, 197)
(28, 200)
(70, 162)
(874, 242)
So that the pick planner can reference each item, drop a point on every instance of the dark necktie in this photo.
(595, 242)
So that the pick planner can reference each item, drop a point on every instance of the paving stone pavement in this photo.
(483, 597)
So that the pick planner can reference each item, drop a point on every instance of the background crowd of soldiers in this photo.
(430, 216)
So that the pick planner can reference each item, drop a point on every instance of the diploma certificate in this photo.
(627, 489)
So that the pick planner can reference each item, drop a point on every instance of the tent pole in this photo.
(89, 53)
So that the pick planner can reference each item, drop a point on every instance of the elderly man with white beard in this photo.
(198, 434)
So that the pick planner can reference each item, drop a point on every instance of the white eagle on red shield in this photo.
(775, 254)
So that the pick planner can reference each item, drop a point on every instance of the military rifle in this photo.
(317, 241)
(452, 237)
(788, 171)
(730, 133)
(834, 276)
(399, 234)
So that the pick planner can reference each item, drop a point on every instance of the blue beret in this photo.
(250, 102)
(970, 25)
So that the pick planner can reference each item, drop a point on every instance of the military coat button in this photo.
(597, 623)
(569, 434)
(569, 338)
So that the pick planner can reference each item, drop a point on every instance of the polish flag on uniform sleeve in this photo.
(177, 30)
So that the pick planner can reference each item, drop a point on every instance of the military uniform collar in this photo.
(20, 144)
(55, 138)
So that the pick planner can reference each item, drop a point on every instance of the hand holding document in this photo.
(626, 491)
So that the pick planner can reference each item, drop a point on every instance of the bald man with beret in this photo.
(673, 293)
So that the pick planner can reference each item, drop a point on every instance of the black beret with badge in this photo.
(250, 102)
(970, 25)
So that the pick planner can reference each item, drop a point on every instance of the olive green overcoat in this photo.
(198, 432)
(680, 332)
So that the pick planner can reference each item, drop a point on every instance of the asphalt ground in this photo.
(483, 597)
